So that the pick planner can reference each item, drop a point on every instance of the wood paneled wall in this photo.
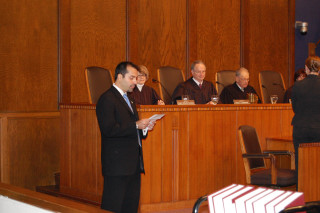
(93, 33)
(214, 35)
(30, 148)
(157, 33)
(28, 55)
(267, 36)
(224, 34)
(53, 41)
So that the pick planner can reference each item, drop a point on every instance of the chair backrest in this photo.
(169, 78)
(271, 83)
(224, 78)
(98, 81)
(249, 142)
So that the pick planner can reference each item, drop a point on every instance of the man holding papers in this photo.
(121, 148)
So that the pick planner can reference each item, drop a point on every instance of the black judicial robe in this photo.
(190, 87)
(231, 92)
(147, 96)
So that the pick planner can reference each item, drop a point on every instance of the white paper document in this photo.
(153, 118)
(156, 117)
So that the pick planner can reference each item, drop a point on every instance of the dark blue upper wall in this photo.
(307, 11)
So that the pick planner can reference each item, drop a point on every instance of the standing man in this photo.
(196, 87)
(306, 107)
(121, 150)
(239, 89)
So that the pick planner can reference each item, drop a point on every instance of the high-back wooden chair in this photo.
(254, 159)
(224, 78)
(98, 81)
(169, 78)
(271, 83)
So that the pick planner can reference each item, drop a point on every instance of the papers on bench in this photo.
(238, 198)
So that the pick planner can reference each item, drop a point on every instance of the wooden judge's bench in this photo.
(192, 151)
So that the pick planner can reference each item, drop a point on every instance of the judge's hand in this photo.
(160, 102)
(143, 123)
(210, 102)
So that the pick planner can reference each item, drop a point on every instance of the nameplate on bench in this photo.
(185, 102)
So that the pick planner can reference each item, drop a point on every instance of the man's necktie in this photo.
(127, 100)
(200, 85)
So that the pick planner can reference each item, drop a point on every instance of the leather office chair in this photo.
(271, 83)
(224, 78)
(257, 173)
(98, 81)
(169, 78)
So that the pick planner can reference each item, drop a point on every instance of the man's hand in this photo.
(151, 124)
(160, 102)
(210, 102)
(143, 123)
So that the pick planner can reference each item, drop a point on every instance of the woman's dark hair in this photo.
(299, 73)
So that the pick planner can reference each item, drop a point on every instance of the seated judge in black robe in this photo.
(239, 89)
(196, 87)
(143, 94)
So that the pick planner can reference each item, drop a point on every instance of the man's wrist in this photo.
(137, 126)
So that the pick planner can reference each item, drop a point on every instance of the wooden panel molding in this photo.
(29, 148)
(309, 171)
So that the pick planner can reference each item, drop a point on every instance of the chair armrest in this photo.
(278, 152)
(256, 155)
(282, 152)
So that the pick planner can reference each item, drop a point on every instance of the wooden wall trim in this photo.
(29, 144)
(64, 43)
(3, 138)
(291, 35)
(29, 114)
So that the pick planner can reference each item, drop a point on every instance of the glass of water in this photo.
(273, 99)
(215, 99)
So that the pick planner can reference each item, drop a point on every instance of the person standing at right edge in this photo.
(306, 107)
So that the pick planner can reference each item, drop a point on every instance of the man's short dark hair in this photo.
(122, 68)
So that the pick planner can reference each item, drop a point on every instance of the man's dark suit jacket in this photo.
(306, 102)
(120, 151)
